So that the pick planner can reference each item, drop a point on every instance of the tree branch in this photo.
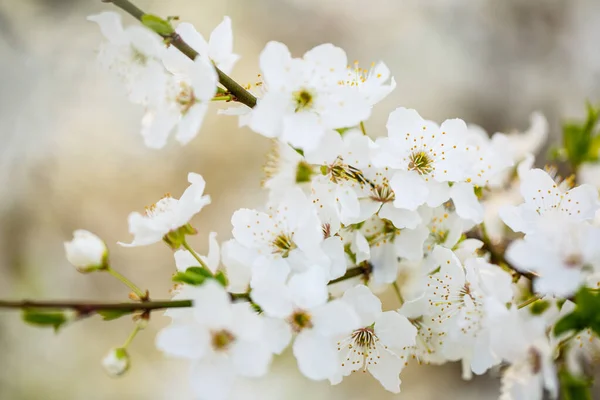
(86, 308)
(241, 95)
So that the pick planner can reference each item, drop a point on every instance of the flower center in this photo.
(339, 171)
(303, 99)
(300, 320)
(164, 205)
(185, 97)
(535, 360)
(221, 340)
(283, 245)
(365, 339)
(573, 260)
(138, 57)
(419, 161)
(383, 194)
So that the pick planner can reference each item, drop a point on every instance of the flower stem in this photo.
(362, 128)
(185, 244)
(398, 294)
(241, 95)
(131, 336)
(88, 308)
(530, 301)
(139, 292)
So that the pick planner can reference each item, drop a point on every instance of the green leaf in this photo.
(304, 172)
(573, 387)
(43, 318)
(585, 315)
(109, 315)
(539, 307)
(158, 25)
(578, 138)
(221, 278)
(192, 276)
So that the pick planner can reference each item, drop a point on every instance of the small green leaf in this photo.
(578, 138)
(573, 387)
(304, 172)
(539, 307)
(192, 276)
(221, 278)
(44, 318)
(158, 25)
(109, 315)
(585, 315)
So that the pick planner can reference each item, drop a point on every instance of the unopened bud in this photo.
(87, 252)
(116, 362)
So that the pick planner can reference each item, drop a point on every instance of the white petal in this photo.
(439, 193)
(190, 123)
(303, 130)
(387, 370)
(275, 300)
(212, 305)
(309, 289)
(466, 203)
(410, 190)
(267, 115)
(221, 46)
(364, 302)
(273, 62)
(334, 318)
(183, 341)
(278, 334)
(402, 121)
(395, 331)
(316, 355)
(251, 359)
(409, 244)
(110, 26)
(401, 218)
(212, 379)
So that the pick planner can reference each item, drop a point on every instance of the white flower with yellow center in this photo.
(371, 83)
(218, 49)
(184, 103)
(223, 341)
(286, 168)
(543, 196)
(281, 240)
(457, 300)
(560, 252)
(168, 214)
(135, 53)
(376, 344)
(425, 158)
(304, 97)
(520, 339)
(302, 303)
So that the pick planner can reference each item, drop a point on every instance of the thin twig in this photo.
(240, 94)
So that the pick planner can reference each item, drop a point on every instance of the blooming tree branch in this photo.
(424, 211)
(237, 91)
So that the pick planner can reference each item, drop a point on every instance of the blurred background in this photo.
(71, 157)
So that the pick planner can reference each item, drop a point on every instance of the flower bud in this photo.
(87, 252)
(116, 362)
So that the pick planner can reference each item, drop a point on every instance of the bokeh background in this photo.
(71, 157)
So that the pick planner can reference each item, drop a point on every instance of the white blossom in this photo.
(135, 53)
(86, 251)
(116, 362)
(223, 340)
(306, 97)
(543, 195)
(168, 214)
(425, 158)
(302, 303)
(560, 252)
(376, 345)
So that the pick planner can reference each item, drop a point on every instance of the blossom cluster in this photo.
(426, 211)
